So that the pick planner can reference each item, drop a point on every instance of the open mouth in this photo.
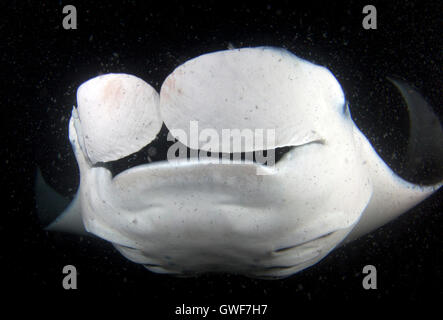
(157, 150)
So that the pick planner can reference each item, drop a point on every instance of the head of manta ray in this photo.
(189, 216)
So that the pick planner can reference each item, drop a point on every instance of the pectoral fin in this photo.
(393, 195)
(57, 213)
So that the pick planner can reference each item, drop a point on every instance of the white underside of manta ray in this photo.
(190, 216)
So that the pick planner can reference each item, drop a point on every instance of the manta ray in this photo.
(188, 216)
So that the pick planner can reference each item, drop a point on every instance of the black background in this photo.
(43, 64)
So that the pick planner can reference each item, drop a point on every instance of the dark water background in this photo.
(42, 65)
